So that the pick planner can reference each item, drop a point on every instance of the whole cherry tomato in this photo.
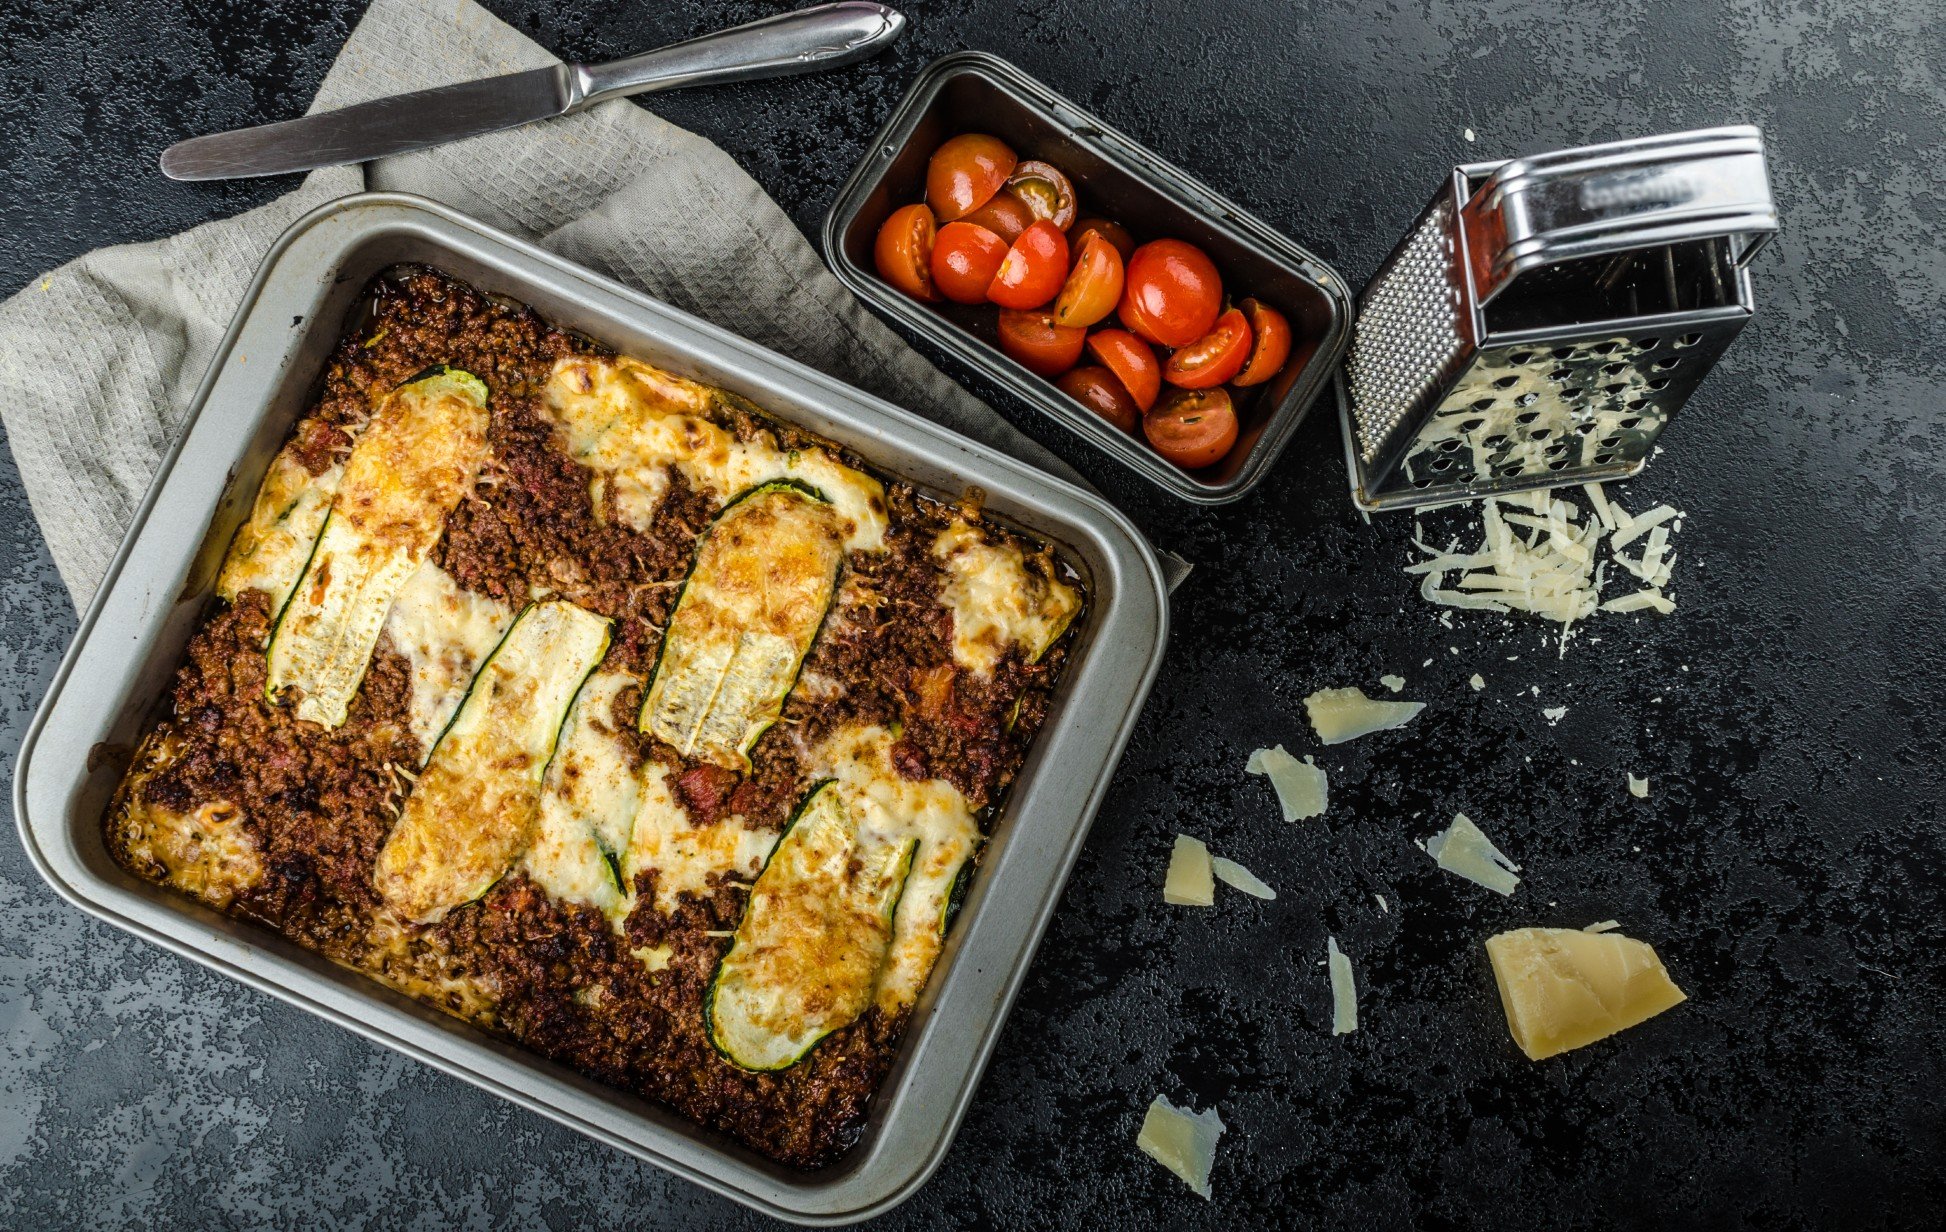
(903, 251)
(1210, 360)
(1005, 215)
(1033, 270)
(1132, 362)
(1172, 293)
(1041, 345)
(964, 260)
(1099, 391)
(1270, 342)
(1114, 232)
(1192, 427)
(1046, 190)
(1093, 286)
(965, 173)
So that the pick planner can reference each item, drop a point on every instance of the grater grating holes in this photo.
(1406, 335)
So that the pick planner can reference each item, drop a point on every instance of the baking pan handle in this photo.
(824, 36)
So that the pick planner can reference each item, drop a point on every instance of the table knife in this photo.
(823, 36)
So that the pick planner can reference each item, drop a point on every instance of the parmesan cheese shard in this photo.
(1554, 714)
(1344, 990)
(1338, 715)
(1461, 849)
(1182, 1141)
(1394, 683)
(1640, 599)
(1563, 988)
(1301, 786)
(1478, 682)
(1638, 787)
(1602, 926)
(1237, 877)
(1192, 880)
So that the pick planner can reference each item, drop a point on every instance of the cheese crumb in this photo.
(1394, 683)
(1344, 990)
(1563, 988)
(1554, 714)
(1463, 850)
(1478, 682)
(1302, 789)
(1191, 881)
(1234, 875)
(1338, 715)
(1638, 787)
(1181, 1140)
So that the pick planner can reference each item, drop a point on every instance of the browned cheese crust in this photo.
(314, 807)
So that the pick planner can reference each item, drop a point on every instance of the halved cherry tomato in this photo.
(1172, 293)
(1132, 362)
(1004, 214)
(1094, 286)
(1210, 360)
(1099, 391)
(903, 251)
(964, 260)
(1046, 190)
(1114, 232)
(1270, 342)
(1042, 346)
(1192, 427)
(1033, 269)
(965, 173)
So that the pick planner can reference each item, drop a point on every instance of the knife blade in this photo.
(823, 36)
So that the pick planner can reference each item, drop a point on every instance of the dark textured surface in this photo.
(1787, 865)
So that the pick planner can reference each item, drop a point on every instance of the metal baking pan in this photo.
(114, 678)
(971, 91)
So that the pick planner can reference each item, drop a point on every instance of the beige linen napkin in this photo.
(614, 188)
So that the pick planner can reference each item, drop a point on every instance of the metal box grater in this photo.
(1546, 316)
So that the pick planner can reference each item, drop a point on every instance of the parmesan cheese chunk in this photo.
(1237, 877)
(1192, 878)
(1461, 849)
(1302, 789)
(1338, 715)
(1638, 787)
(1344, 990)
(1563, 988)
(1182, 1141)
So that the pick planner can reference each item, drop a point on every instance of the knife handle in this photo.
(824, 36)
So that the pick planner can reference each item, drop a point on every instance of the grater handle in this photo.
(1603, 199)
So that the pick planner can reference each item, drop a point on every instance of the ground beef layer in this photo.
(317, 806)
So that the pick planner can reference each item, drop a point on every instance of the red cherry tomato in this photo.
(1005, 215)
(903, 251)
(965, 173)
(1099, 391)
(1093, 286)
(1132, 362)
(964, 260)
(1210, 360)
(1192, 427)
(1172, 293)
(1041, 345)
(1046, 190)
(1270, 342)
(1114, 232)
(1033, 270)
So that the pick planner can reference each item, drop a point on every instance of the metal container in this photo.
(1545, 316)
(114, 680)
(1115, 178)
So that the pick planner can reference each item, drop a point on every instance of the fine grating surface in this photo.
(1788, 716)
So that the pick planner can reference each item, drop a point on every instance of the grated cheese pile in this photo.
(1541, 556)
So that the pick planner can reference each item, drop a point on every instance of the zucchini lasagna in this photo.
(597, 707)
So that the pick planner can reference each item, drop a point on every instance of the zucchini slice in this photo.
(764, 576)
(806, 956)
(411, 465)
(474, 809)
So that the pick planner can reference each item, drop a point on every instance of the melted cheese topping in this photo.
(588, 805)
(270, 549)
(444, 632)
(682, 855)
(631, 423)
(999, 599)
